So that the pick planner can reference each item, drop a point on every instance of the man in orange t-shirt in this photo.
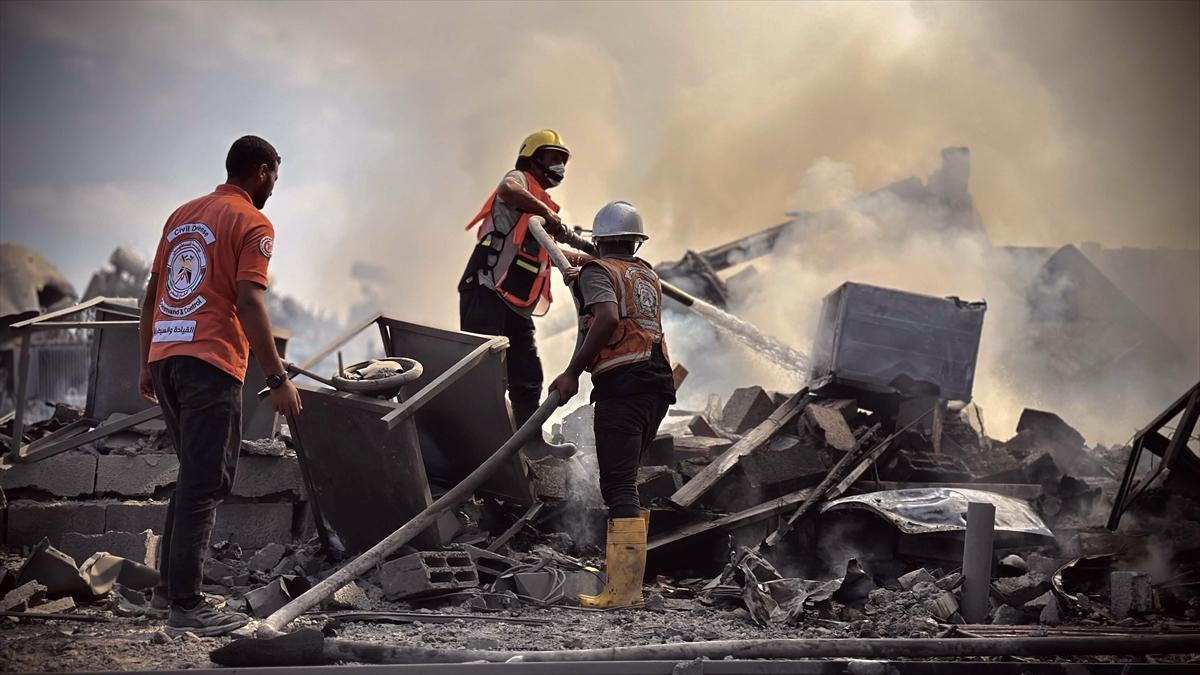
(203, 310)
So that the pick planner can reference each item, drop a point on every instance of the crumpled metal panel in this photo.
(925, 510)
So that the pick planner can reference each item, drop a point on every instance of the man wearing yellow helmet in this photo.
(507, 278)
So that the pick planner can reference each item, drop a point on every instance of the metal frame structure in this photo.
(90, 428)
(444, 425)
(110, 389)
(1173, 450)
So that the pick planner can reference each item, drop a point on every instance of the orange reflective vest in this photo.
(519, 266)
(639, 310)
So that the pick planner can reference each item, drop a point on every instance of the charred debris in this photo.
(871, 503)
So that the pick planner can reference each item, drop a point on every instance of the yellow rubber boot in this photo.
(625, 562)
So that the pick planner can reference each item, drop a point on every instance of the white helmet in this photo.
(618, 219)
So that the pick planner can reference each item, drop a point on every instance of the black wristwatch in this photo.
(276, 381)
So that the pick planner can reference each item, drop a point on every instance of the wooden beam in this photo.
(706, 479)
(751, 515)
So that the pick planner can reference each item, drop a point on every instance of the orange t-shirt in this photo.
(209, 245)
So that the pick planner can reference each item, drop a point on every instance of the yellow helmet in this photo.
(546, 138)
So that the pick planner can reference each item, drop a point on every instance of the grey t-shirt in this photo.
(505, 217)
(654, 376)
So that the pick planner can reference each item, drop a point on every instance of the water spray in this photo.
(760, 343)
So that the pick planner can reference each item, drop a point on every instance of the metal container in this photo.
(883, 339)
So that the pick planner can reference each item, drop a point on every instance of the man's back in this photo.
(208, 245)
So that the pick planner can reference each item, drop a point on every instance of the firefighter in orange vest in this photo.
(507, 278)
(619, 298)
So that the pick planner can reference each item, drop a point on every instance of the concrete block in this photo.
(250, 525)
(136, 516)
(549, 479)
(267, 557)
(1130, 593)
(699, 426)
(427, 572)
(30, 521)
(67, 475)
(135, 475)
(489, 566)
(55, 570)
(1007, 615)
(828, 423)
(699, 446)
(140, 547)
(60, 606)
(656, 482)
(254, 525)
(661, 451)
(216, 570)
(1046, 608)
(259, 476)
(18, 599)
(1019, 590)
(920, 575)
(785, 459)
(746, 409)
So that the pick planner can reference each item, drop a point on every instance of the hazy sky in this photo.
(396, 119)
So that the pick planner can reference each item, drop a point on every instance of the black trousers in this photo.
(481, 310)
(625, 426)
(202, 408)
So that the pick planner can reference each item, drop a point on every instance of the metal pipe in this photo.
(377, 553)
(309, 647)
(977, 561)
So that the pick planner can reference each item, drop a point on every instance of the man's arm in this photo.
(145, 336)
(252, 313)
(604, 321)
(515, 195)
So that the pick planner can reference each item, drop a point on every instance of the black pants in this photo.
(202, 408)
(625, 426)
(481, 310)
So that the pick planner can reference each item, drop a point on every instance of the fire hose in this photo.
(762, 344)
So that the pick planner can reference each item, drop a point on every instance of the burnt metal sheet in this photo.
(116, 361)
(925, 510)
(461, 426)
(879, 338)
(365, 479)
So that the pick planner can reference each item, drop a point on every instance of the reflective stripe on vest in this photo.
(518, 254)
(639, 306)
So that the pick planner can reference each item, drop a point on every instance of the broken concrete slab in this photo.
(141, 547)
(55, 570)
(350, 596)
(136, 475)
(1046, 608)
(30, 521)
(746, 408)
(18, 599)
(920, 575)
(69, 474)
(263, 601)
(549, 478)
(785, 458)
(490, 566)
(1019, 590)
(267, 557)
(700, 426)
(1049, 427)
(250, 524)
(427, 572)
(699, 446)
(656, 482)
(1007, 615)
(829, 424)
(269, 476)
(60, 606)
(216, 570)
(101, 571)
(1130, 593)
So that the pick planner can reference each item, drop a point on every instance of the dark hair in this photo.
(247, 153)
(524, 164)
